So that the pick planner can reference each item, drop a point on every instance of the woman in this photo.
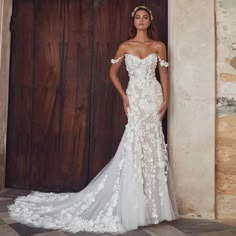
(135, 188)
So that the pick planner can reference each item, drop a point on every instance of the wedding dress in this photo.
(134, 188)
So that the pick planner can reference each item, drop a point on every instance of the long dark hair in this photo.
(151, 30)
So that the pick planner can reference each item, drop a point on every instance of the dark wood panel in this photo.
(76, 82)
(45, 148)
(103, 112)
(20, 99)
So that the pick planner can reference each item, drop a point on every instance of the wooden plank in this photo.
(20, 96)
(76, 82)
(45, 148)
(103, 140)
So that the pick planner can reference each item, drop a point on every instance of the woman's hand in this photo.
(162, 110)
(125, 104)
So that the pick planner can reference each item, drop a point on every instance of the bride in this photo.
(135, 188)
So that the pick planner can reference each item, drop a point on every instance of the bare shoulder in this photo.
(159, 46)
(129, 44)
(122, 49)
(124, 45)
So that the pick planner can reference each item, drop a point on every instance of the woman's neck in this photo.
(141, 36)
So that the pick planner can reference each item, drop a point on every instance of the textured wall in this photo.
(5, 13)
(226, 110)
(191, 116)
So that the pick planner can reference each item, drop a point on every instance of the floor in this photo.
(181, 227)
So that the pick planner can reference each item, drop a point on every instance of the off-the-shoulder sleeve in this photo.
(113, 61)
(163, 62)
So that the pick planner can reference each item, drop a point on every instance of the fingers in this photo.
(161, 108)
(126, 105)
(162, 111)
(161, 115)
(126, 109)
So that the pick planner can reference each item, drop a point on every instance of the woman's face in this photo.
(141, 20)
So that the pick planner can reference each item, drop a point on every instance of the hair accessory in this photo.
(142, 7)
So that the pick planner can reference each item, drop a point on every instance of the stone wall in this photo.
(226, 110)
(191, 116)
(5, 13)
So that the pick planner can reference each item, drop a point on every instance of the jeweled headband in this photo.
(142, 7)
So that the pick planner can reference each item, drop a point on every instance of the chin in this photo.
(142, 28)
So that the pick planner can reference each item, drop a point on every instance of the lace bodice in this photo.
(142, 75)
(162, 62)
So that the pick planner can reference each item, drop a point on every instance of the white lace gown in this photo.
(134, 188)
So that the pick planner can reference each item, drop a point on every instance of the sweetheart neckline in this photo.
(129, 54)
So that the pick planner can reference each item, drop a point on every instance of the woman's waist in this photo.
(144, 83)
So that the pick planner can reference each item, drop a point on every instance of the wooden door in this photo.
(65, 117)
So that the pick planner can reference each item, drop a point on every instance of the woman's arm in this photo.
(115, 66)
(163, 78)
